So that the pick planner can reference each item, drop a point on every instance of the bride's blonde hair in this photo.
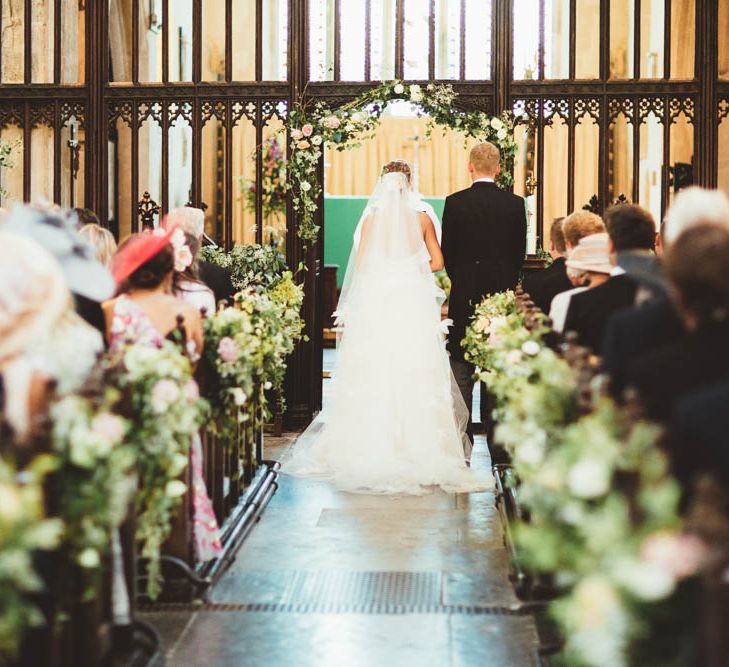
(397, 166)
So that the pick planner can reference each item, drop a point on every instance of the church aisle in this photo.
(329, 578)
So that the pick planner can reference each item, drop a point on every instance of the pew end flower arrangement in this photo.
(94, 482)
(161, 393)
(603, 510)
(247, 343)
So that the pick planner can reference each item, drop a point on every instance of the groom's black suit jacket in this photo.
(484, 244)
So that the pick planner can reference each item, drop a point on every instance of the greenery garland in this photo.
(165, 412)
(312, 127)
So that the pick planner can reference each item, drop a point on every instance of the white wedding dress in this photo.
(396, 422)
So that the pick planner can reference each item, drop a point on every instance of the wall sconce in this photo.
(155, 22)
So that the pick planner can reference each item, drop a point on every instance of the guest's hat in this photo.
(33, 294)
(138, 250)
(591, 254)
(56, 232)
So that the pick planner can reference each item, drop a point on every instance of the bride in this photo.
(396, 423)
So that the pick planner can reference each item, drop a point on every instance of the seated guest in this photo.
(630, 228)
(588, 266)
(217, 278)
(697, 266)
(579, 224)
(186, 283)
(697, 440)
(635, 331)
(144, 311)
(101, 240)
(543, 286)
(33, 299)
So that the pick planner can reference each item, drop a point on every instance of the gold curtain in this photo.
(442, 159)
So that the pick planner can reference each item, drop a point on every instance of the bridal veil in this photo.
(396, 422)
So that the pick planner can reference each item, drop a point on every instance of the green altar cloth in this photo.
(341, 215)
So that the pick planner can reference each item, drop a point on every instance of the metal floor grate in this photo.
(342, 608)
(388, 589)
(346, 592)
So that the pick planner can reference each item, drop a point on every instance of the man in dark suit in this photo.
(543, 286)
(484, 244)
(218, 279)
(631, 229)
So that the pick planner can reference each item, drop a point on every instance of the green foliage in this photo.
(24, 529)
(250, 264)
(167, 412)
(94, 482)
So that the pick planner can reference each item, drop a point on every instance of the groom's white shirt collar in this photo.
(483, 180)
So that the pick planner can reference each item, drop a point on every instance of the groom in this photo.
(484, 244)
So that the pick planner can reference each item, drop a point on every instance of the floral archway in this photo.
(312, 127)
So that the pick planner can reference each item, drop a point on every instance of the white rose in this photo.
(316, 140)
(414, 89)
(164, 394)
(89, 558)
(416, 97)
(108, 426)
(496, 123)
(399, 89)
(305, 186)
(239, 397)
(530, 348)
(177, 464)
(359, 117)
(501, 134)
(267, 386)
(573, 513)
(588, 478)
(175, 488)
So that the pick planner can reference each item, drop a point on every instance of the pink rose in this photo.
(164, 394)
(303, 145)
(307, 130)
(679, 554)
(109, 426)
(228, 350)
(296, 134)
(183, 258)
(192, 391)
(331, 122)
